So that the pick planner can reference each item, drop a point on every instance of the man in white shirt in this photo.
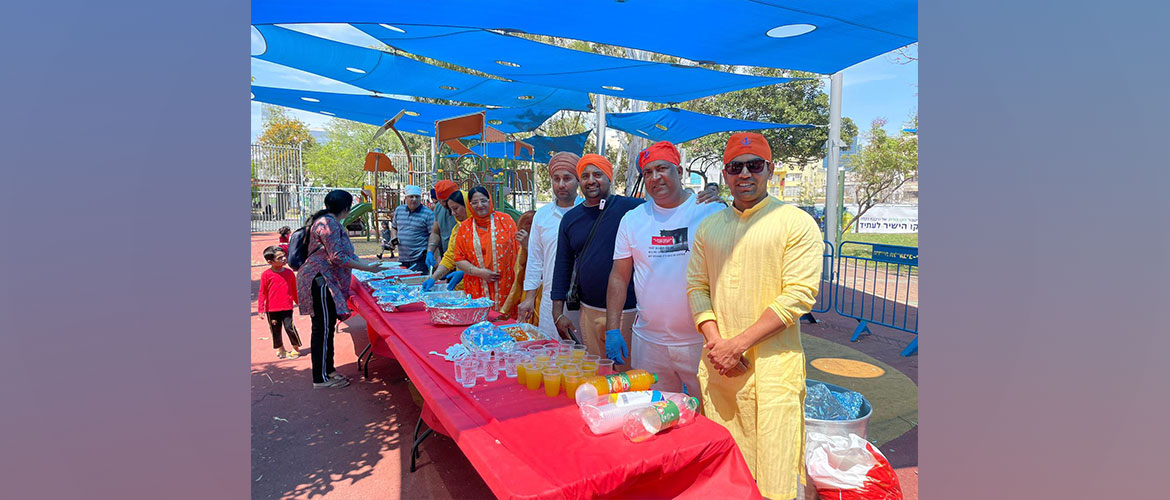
(542, 241)
(654, 245)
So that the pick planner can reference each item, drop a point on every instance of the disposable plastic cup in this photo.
(589, 369)
(492, 371)
(605, 367)
(484, 360)
(552, 381)
(509, 360)
(591, 358)
(572, 379)
(566, 342)
(543, 357)
(466, 371)
(532, 375)
(578, 352)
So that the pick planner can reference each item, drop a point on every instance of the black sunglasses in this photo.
(753, 166)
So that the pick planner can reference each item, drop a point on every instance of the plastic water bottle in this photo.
(633, 380)
(607, 413)
(676, 410)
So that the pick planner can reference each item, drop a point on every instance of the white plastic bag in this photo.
(849, 469)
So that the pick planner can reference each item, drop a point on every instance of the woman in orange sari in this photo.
(485, 249)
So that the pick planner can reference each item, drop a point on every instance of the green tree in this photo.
(881, 167)
(338, 162)
(283, 130)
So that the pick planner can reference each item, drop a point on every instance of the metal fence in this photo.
(878, 284)
(825, 293)
(281, 198)
(277, 174)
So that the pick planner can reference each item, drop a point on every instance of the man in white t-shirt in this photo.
(542, 242)
(654, 245)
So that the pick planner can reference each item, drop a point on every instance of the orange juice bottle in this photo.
(633, 380)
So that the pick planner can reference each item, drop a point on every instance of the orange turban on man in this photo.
(597, 161)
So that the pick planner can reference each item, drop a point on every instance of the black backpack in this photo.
(298, 248)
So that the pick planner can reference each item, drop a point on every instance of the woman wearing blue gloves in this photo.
(457, 204)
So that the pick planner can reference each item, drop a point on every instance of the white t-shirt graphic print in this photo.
(659, 241)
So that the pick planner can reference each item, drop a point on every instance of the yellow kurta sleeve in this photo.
(801, 274)
(698, 284)
(449, 256)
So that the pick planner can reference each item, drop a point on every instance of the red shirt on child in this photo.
(278, 292)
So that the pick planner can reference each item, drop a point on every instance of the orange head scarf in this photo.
(486, 220)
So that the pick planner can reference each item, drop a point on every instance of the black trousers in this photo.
(324, 326)
(283, 318)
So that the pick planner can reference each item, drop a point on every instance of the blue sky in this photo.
(875, 88)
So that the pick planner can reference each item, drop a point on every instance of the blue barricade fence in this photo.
(878, 284)
(825, 293)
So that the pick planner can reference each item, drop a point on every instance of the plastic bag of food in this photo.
(849, 468)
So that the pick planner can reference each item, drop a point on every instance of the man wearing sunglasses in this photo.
(754, 270)
(653, 245)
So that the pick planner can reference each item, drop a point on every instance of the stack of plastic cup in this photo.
(466, 371)
(552, 381)
(605, 367)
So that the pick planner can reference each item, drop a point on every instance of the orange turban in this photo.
(444, 188)
(661, 150)
(747, 143)
(597, 161)
(563, 161)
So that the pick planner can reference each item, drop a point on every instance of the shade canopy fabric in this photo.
(524, 60)
(679, 125)
(391, 74)
(419, 118)
(544, 147)
(772, 33)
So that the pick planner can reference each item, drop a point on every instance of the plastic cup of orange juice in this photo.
(552, 381)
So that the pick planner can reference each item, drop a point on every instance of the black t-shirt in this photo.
(597, 261)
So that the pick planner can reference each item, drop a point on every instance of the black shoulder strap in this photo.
(607, 202)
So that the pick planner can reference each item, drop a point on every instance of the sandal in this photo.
(292, 354)
(281, 354)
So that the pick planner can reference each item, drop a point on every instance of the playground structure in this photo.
(513, 189)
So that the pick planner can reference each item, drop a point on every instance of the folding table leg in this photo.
(418, 439)
(369, 357)
(363, 353)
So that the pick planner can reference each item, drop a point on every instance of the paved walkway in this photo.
(354, 442)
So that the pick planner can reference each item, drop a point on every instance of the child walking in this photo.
(387, 241)
(278, 293)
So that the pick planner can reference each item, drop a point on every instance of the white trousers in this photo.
(674, 365)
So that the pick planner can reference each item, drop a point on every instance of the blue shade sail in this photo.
(390, 74)
(543, 146)
(679, 125)
(810, 35)
(419, 118)
(538, 63)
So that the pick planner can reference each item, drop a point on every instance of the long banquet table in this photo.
(526, 445)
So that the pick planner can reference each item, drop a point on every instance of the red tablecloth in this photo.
(527, 445)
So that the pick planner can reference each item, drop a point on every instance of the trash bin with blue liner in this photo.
(839, 427)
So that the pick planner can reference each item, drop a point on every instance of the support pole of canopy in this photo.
(600, 128)
(832, 200)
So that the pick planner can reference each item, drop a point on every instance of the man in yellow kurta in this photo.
(755, 269)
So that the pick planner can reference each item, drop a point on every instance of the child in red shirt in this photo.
(278, 293)
(284, 235)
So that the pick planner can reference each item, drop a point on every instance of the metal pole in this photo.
(600, 128)
(832, 198)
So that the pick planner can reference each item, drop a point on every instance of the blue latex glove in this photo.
(615, 346)
(428, 284)
(454, 279)
(430, 260)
